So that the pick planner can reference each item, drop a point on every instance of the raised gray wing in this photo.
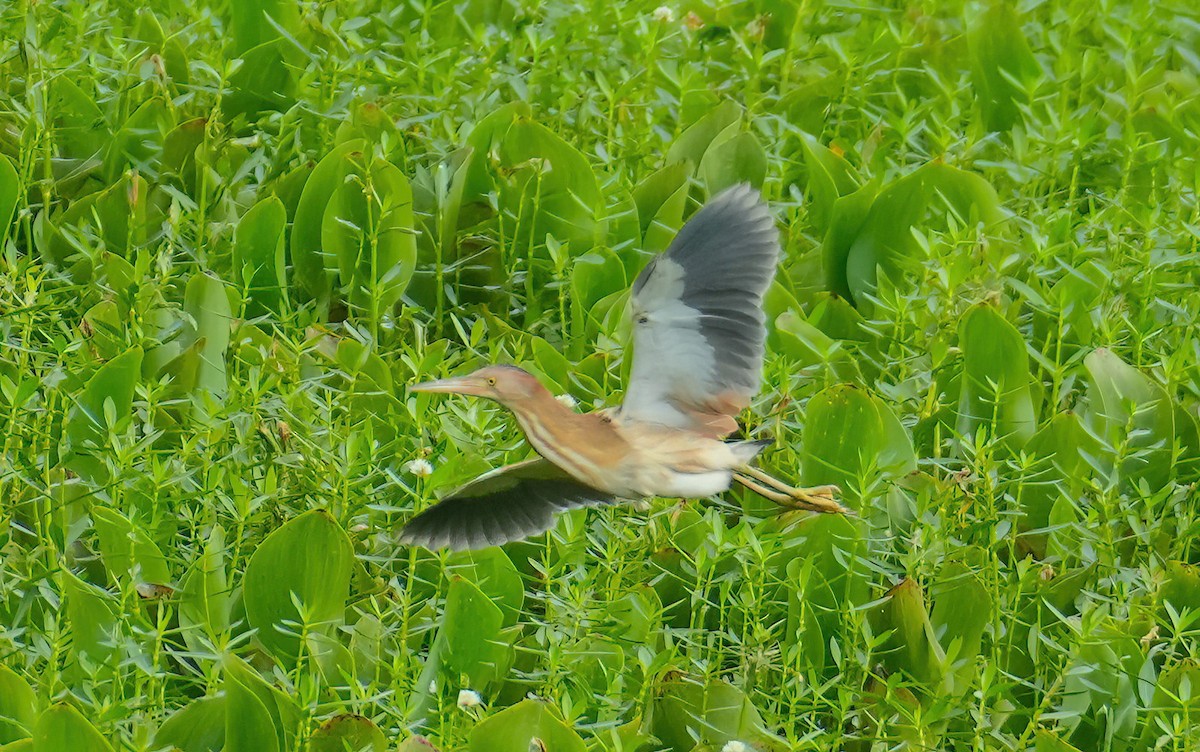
(698, 319)
(508, 504)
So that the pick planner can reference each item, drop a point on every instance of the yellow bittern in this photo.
(698, 341)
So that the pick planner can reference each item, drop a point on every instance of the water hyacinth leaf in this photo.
(830, 177)
(80, 129)
(661, 199)
(370, 123)
(93, 616)
(313, 267)
(62, 728)
(198, 726)
(687, 711)
(884, 242)
(416, 744)
(106, 329)
(1181, 588)
(847, 215)
(552, 183)
(1047, 741)
(109, 392)
(996, 385)
(1173, 707)
(1002, 65)
(250, 718)
(852, 439)
(691, 145)
(254, 22)
(493, 572)
(264, 81)
(259, 258)
(309, 562)
(368, 230)
(128, 552)
(138, 145)
(18, 706)
(911, 645)
(1058, 471)
(521, 727)
(204, 595)
(10, 189)
(962, 607)
(348, 732)
(471, 628)
(207, 302)
(729, 161)
(1127, 409)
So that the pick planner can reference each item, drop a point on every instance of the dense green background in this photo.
(236, 236)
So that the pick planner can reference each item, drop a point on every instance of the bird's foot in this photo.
(818, 499)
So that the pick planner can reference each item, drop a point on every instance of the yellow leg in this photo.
(819, 499)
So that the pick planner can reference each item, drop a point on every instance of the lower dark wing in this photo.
(505, 505)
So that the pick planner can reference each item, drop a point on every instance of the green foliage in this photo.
(231, 234)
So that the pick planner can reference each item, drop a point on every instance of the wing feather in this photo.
(508, 504)
(699, 327)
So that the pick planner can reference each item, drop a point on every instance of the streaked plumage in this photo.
(698, 348)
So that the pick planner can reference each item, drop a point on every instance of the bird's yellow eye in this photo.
(491, 382)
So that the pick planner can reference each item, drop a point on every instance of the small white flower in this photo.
(419, 467)
(736, 746)
(432, 686)
(663, 14)
(468, 699)
(567, 400)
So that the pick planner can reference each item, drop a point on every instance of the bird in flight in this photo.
(698, 338)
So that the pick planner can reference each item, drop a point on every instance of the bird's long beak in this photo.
(456, 385)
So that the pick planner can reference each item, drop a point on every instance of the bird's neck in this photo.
(539, 415)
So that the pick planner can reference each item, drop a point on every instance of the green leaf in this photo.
(10, 190)
(18, 706)
(314, 268)
(853, 440)
(910, 645)
(687, 710)
(92, 613)
(204, 598)
(996, 384)
(285, 570)
(138, 145)
(1002, 65)
(962, 607)
(348, 733)
(87, 428)
(830, 177)
(207, 302)
(492, 571)
(265, 80)
(127, 551)
(259, 258)
(254, 22)
(1133, 416)
(847, 214)
(884, 243)
(515, 729)
(62, 728)
(198, 726)
(252, 716)
(368, 228)
(471, 629)
(729, 161)
(661, 199)
(695, 140)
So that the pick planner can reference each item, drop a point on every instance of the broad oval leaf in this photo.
(259, 258)
(515, 729)
(996, 384)
(18, 706)
(62, 728)
(309, 562)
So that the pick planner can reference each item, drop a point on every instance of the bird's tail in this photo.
(748, 450)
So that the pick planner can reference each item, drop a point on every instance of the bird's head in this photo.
(507, 385)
